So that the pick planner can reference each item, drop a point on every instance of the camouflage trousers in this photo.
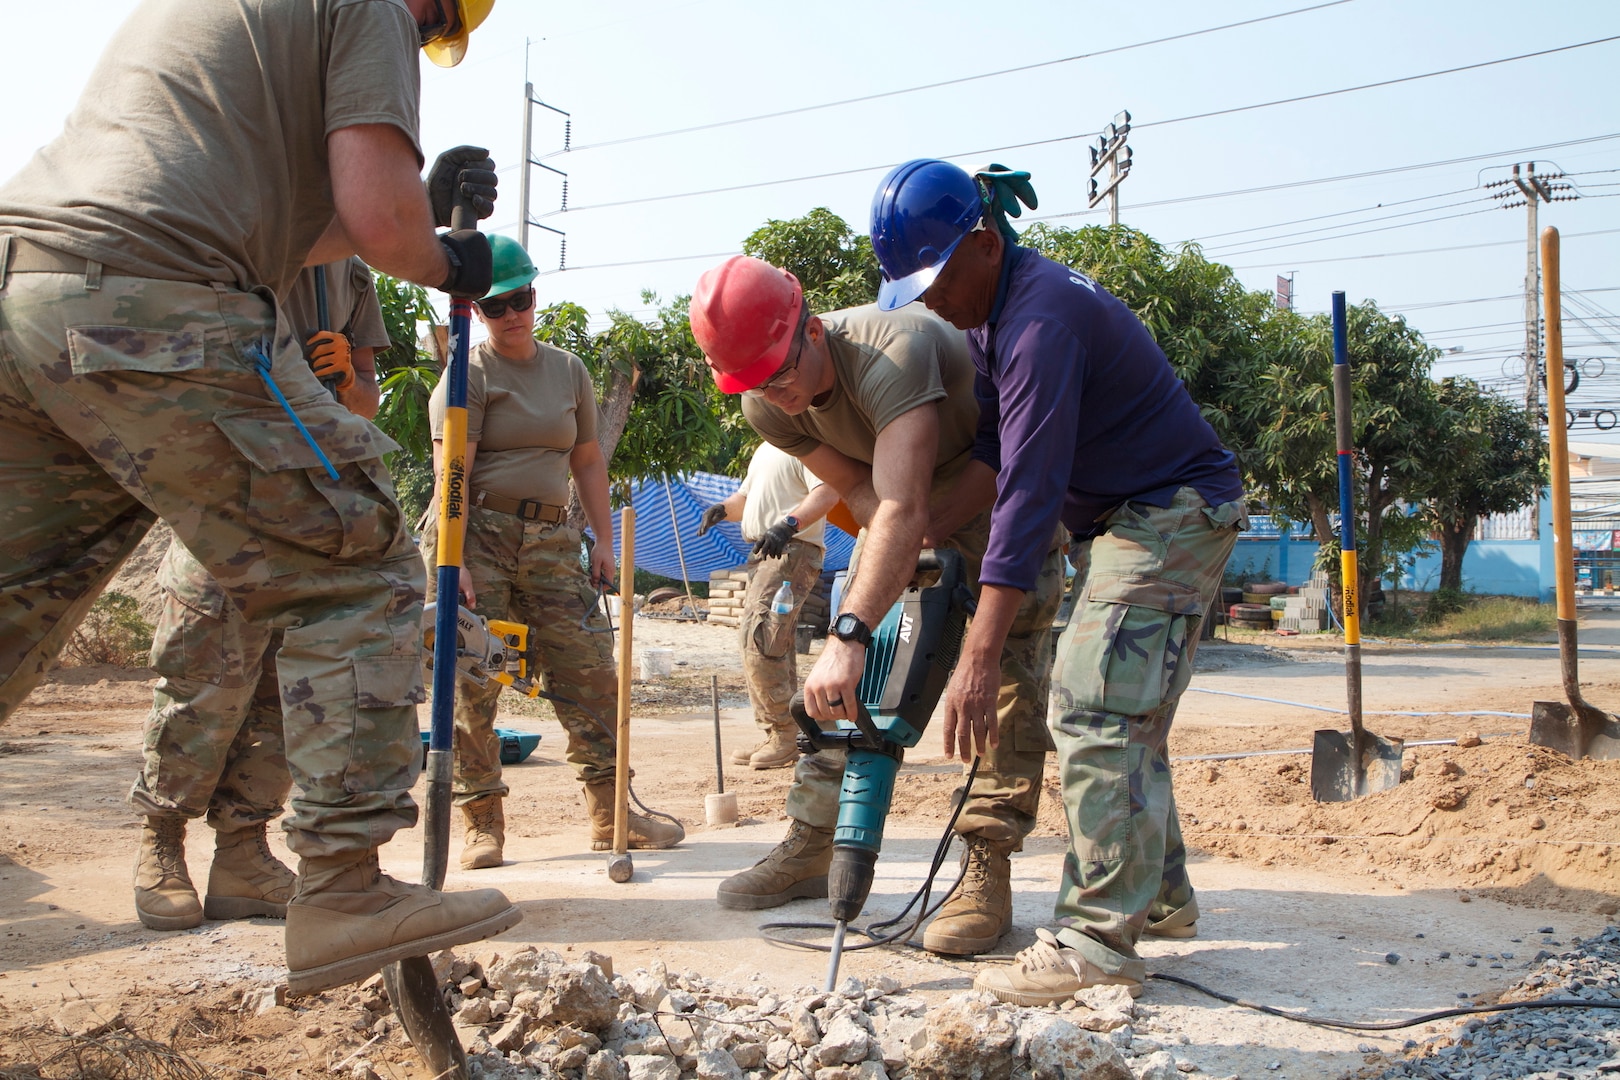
(213, 741)
(1006, 792)
(123, 399)
(530, 573)
(1142, 588)
(770, 663)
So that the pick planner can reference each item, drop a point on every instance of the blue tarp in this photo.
(721, 548)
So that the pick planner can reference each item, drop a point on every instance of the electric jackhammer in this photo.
(908, 664)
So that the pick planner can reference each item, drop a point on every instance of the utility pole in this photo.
(525, 220)
(1111, 153)
(1526, 188)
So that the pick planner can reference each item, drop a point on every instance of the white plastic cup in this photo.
(657, 663)
(720, 809)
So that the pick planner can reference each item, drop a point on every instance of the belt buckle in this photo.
(529, 509)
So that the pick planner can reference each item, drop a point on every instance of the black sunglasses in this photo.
(435, 30)
(518, 301)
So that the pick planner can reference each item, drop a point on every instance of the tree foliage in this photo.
(833, 262)
(1493, 463)
(406, 373)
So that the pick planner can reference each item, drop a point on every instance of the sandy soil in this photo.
(1303, 903)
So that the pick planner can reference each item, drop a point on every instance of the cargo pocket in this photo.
(1133, 643)
(386, 752)
(300, 514)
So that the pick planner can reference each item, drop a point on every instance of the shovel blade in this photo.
(1576, 731)
(1336, 775)
(414, 991)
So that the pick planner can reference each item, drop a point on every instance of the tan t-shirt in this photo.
(351, 305)
(776, 483)
(197, 151)
(887, 363)
(526, 417)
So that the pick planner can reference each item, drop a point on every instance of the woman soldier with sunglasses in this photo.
(531, 422)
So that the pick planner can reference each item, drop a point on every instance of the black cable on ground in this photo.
(920, 897)
(1386, 1025)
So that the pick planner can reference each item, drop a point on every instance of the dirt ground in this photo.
(1453, 873)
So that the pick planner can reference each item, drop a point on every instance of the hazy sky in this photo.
(629, 70)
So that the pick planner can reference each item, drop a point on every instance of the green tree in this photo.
(1201, 316)
(1397, 419)
(1489, 460)
(406, 373)
(833, 262)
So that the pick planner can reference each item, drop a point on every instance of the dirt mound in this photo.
(138, 577)
(1505, 819)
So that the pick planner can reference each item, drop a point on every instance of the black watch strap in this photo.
(849, 627)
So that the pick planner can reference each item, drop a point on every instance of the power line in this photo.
(1324, 217)
(1268, 246)
(1397, 254)
(948, 82)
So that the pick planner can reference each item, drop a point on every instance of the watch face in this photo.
(850, 628)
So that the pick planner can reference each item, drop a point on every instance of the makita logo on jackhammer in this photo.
(906, 622)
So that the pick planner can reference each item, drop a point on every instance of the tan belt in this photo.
(527, 509)
(19, 256)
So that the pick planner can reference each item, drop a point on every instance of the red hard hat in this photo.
(744, 314)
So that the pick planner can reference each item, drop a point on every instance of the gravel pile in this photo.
(1538, 1044)
(536, 1014)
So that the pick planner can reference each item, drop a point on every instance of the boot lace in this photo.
(168, 846)
(977, 873)
(483, 819)
(1047, 954)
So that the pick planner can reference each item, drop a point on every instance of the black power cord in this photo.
(1386, 1025)
(919, 899)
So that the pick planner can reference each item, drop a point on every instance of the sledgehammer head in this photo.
(620, 869)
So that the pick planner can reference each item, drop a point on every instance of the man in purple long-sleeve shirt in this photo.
(1082, 420)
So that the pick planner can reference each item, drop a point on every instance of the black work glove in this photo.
(472, 266)
(465, 171)
(775, 539)
(712, 516)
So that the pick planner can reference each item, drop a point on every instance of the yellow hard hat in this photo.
(448, 49)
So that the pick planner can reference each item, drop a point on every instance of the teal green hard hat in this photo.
(513, 267)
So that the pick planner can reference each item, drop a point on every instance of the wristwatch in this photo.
(848, 627)
(792, 521)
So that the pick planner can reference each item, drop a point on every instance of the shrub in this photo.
(113, 633)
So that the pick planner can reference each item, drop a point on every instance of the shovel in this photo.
(1348, 765)
(412, 985)
(1577, 729)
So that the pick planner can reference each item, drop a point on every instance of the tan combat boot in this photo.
(246, 880)
(486, 833)
(980, 910)
(796, 868)
(165, 898)
(740, 757)
(645, 833)
(348, 919)
(1049, 972)
(780, 751)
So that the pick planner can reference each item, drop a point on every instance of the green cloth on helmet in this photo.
(1004, 189)
(513, 267)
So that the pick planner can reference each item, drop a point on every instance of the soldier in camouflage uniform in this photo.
(531, 423)
(881, 406)
(1084, 422)
(141, 255)
(781, 505)
(213, 741)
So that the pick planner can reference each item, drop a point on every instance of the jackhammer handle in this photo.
(818, 738)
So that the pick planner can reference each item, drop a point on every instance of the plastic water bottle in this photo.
(782, 602)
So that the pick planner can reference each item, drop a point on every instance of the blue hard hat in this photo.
(921, 211)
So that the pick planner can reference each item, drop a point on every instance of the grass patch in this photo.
(1467, 617)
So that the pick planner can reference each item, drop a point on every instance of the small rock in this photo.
(510, 1036)
(1445, 954)
(1366, 1048)
(652, 1067)
(470, 986)
(1468, 738)
(258, 1000)
(1392, 958)
(1463, 898)
(1546, 930)
(83, 1019)
(1157, 1066)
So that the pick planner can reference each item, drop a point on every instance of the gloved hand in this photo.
(1007, 188)
(464, 170)
(472, 266)
(713, 515)
(775, 539)
(331, 354)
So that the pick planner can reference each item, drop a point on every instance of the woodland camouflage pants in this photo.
(1142, 588)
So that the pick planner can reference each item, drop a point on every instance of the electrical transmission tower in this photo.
(1112, 154)
(1530, 189)
(525, 220)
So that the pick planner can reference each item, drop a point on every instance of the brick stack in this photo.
(1308, 611)
(726, 590)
